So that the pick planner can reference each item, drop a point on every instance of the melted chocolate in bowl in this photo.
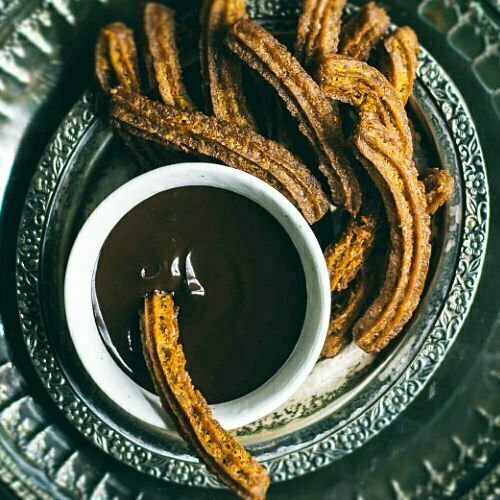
(237, 278)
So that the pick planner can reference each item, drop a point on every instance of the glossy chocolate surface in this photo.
(237, 279)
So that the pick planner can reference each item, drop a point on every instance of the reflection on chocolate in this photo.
(236, 275)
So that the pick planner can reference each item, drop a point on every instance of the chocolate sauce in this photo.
(237, 279)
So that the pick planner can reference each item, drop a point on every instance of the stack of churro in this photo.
(358, 64)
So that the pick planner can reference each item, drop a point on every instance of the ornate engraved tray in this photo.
(79, 167)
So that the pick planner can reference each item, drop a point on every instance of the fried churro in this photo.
(221, 70)
(345, 257)
(362, 31)
(318, 31)
(116, 64)
(399, 63)
(166, 362)
(236, 146)
(346, 307)
(162, 58)
(307, 103)
(439, 186)
(384, 143)
(116, 58)
(399, 60)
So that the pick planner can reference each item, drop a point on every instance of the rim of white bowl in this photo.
(94, 355)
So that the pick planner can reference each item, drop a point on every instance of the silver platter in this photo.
(323, 422)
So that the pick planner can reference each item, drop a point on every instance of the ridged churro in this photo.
(162, 57)
(346, 307)
(307, 103)
(439, 186)
(362, 31)
(318, 31)
(399, 60)
(166, 362)
(236, 146)
(384, 143)
(221, 70)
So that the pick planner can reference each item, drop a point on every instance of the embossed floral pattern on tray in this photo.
(332, 446)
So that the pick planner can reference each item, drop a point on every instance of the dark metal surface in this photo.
(445, 443)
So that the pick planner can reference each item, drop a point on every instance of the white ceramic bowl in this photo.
(91, 350)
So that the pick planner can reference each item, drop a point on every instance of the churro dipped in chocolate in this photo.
(166, 362)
